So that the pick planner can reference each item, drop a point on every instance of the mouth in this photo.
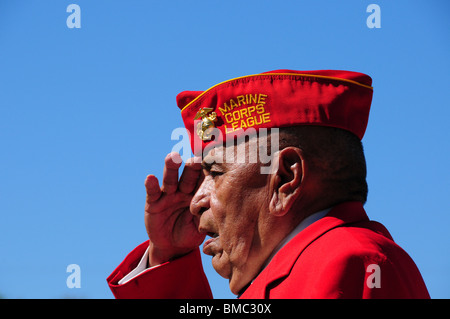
(212, 235)
(207, 249)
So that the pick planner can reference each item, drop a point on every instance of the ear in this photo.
(286, 180)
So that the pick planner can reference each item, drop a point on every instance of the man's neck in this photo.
(300, 227)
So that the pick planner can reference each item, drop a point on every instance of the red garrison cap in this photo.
(276, 99)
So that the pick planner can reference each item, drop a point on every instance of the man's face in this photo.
(232, 203)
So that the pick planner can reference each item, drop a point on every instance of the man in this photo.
(298, 230)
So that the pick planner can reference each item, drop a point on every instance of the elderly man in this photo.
(299, 230)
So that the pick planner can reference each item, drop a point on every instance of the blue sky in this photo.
(86, 114)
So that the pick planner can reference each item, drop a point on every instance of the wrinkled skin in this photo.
(244, 212)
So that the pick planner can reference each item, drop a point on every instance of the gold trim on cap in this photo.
(294, 74)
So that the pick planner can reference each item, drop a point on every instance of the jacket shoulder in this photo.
(355, 261)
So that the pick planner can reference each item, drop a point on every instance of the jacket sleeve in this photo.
(181, 278)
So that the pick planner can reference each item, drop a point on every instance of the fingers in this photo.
(152, 188)
(187, 183)
(190, 176)
(170, 176)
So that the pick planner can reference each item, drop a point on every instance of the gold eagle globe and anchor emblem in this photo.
(206, 125)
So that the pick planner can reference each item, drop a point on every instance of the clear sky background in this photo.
(86, 114)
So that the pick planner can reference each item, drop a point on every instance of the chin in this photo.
(236, 286)
(239, 280)
(221, 267)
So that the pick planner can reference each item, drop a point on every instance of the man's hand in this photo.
(172, 229)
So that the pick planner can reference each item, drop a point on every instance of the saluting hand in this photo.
(172, 229)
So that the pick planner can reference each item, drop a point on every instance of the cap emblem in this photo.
(206, 125)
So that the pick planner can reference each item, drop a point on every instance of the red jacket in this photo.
(342, 255)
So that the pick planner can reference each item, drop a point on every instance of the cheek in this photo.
(236, 207)
(227, 206)
(237, 224)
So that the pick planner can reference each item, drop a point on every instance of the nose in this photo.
(200, 201)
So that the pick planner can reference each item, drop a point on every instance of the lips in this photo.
(207, 226)
(207, 249)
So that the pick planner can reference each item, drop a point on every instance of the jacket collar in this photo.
(284, 260)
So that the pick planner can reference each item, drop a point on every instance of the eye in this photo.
(214, 174)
